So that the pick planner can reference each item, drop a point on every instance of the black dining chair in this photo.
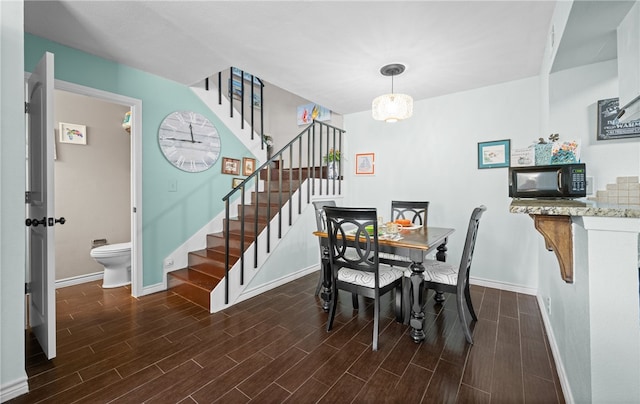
(355, 266)
(321, 225)
(416, 212)
(444, 277)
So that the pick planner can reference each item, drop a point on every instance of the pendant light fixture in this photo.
(392, 107)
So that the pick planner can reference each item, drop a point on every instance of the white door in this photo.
(40, 207)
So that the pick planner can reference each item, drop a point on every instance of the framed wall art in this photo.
(609, 127)
(72, 133)
(494, 154)
(230, 166)
(306, 113)
(365, 164)
(248, 166)
(236, 181)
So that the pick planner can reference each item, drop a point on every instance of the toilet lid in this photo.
(112, 248)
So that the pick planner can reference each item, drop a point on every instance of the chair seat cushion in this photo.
(387, 275)
(438, 271)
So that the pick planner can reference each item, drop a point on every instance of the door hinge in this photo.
(27, 288)
(27, 107)
(27, 197)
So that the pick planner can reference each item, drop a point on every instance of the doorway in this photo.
(135, 106)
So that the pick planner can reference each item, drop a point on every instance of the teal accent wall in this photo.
(168, 218)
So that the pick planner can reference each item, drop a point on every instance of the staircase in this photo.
(251, 227)
(206, 267)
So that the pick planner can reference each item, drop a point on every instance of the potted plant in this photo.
(334, 155)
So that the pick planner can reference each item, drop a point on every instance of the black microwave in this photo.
(553, 181)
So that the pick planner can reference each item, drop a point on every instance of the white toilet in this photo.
(116, 259)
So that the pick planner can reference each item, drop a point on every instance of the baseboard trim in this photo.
(158, 287)
(248, 294)
(14, 389)
(503, 286)
(76, 280)
(562, 373)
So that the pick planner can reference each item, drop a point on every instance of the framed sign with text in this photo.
(609, 127)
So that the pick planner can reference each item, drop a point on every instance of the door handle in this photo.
(53, 221)
(36, 222)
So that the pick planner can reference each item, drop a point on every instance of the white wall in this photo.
(573, 99)
(433, 156)
(573, 96)
(13, 378)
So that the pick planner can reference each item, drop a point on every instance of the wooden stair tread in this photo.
(196, 278)
(207, 266)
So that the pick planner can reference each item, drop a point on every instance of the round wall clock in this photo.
(189, 141)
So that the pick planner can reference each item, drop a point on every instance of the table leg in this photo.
(441, 255)
(417, 304)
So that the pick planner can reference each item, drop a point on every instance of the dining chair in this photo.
(355, 266)
(321, 225)
(445, 277)
(416, 212)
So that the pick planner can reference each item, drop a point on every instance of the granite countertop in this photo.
(572, 207)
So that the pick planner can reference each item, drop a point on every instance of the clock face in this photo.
(189, 141)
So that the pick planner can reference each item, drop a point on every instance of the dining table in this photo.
(413, 243)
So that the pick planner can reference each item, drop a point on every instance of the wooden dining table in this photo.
(414, 244)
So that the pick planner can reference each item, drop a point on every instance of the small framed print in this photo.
(72, 133)
(494, 154)
(230, 166)
(365, 164)
(236, 182)
(248, 166)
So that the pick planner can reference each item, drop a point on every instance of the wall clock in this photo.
(189, 141)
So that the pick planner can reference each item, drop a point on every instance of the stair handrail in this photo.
(333, 138)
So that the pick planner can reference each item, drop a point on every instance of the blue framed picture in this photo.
(494, 154)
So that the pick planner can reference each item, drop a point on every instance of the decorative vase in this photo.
(332, 171)
(543, 154)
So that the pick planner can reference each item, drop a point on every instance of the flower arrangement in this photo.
(334, 155)
(552, 138)
(268, 140)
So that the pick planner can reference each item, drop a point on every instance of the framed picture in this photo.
(235, 89)
(248, 166)
(494, 154)
(230, 166)
(236, 181)
(306, 113)
(365, 163)
(608, 126)
(72, 133)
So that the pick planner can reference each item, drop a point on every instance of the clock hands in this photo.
(193, 140)
(191, 131)
(183, 140)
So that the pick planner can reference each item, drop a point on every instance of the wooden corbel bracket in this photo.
(558, 238)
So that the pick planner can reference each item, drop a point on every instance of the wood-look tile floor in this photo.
(274, 348)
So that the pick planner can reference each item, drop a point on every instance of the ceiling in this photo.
(329, 52)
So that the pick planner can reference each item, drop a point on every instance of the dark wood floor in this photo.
(274, 348)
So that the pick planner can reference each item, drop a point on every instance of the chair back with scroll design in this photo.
(354, 263)
(416, 211)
